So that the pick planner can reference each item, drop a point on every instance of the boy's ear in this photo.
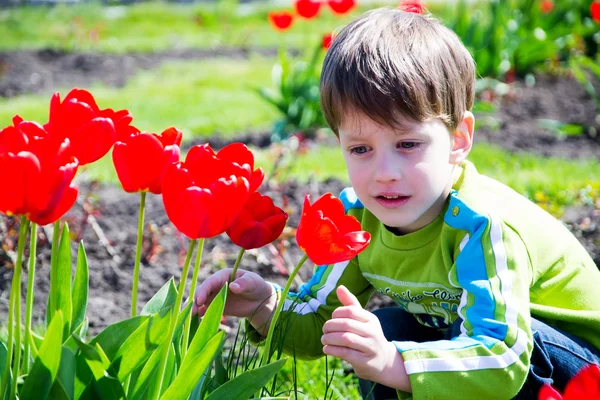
(462, 139)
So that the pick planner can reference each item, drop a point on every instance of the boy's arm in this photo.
(304, 313)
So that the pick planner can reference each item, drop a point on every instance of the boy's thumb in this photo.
(346, 297)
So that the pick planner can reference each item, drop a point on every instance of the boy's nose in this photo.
(387, 169)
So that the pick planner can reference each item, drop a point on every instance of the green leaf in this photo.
(191, 372)
(247, 383)
(165, 297)
(46, 365)
(140, 345)
(113, 336)
(60, 283)
(208, 327)
(80, 288)
(64, 385)
(103, 381)
(80, 331)
(3, 353)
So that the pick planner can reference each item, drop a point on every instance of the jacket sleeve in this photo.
(300, 324)
(490, 357)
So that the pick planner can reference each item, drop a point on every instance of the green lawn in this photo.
(156, 26)
(199, 97)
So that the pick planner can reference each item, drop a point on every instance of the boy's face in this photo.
(402, 175)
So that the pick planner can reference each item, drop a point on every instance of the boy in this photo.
(495, 297)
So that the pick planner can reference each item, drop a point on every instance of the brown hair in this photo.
(390, 64)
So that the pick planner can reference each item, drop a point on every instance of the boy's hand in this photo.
(249, 296)
(355, 335)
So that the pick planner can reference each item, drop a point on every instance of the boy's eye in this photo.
(409, 145)
(359, 150)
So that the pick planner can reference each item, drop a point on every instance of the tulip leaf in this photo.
(208, 327)
(80, 288)
(3, 353)
(60, 283)
(80, 331)
(247, 383)
(147, 375)
(165, 297)
(103, 379)
(45, 367)
(113, 336)
(64, 385)
(140, 344)
(190, 372)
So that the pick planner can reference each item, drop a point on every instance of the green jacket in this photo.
(492, 258)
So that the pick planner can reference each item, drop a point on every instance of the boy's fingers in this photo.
(346, 297)
(352, 312)
(244, 284)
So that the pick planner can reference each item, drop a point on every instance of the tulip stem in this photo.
(237, 264)
(174, 314)
(266, 354)
(53, 261)
(6, 375)
(138, 254)
(29, 301)
(188, 323)
(16, 282)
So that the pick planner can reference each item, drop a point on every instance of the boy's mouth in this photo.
(391, 201)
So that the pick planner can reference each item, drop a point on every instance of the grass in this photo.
(155, 26)
(199, 97)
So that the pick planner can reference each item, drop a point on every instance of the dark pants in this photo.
(556, 357)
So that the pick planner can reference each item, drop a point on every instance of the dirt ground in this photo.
(114, 212)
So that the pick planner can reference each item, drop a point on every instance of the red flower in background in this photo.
(307, 8)
(141, 159)
(412, 6)
(204, 194)
(341, 6)
(91, 131)
(326, 234)
(259, 223)
(282, 20)
(327, 39)
(583, 386)
(38, 171)
(595, 11)
(546, 6)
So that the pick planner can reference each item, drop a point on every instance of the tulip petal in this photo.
(170, 155)
(93, 140)
(66, 201)
(22, 173)
(584, 385)
(547, 392)
(82, 96)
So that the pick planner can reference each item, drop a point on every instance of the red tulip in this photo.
(327, 39)
(546, 6)
(38, 172)
(204, 194)
(326, 234)
(595, 11)
(307, 8)
(259, 223)
(141, 159)
(412, 6)
(91, 131)
(281, 21)
(341, 6)
(583, 386)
